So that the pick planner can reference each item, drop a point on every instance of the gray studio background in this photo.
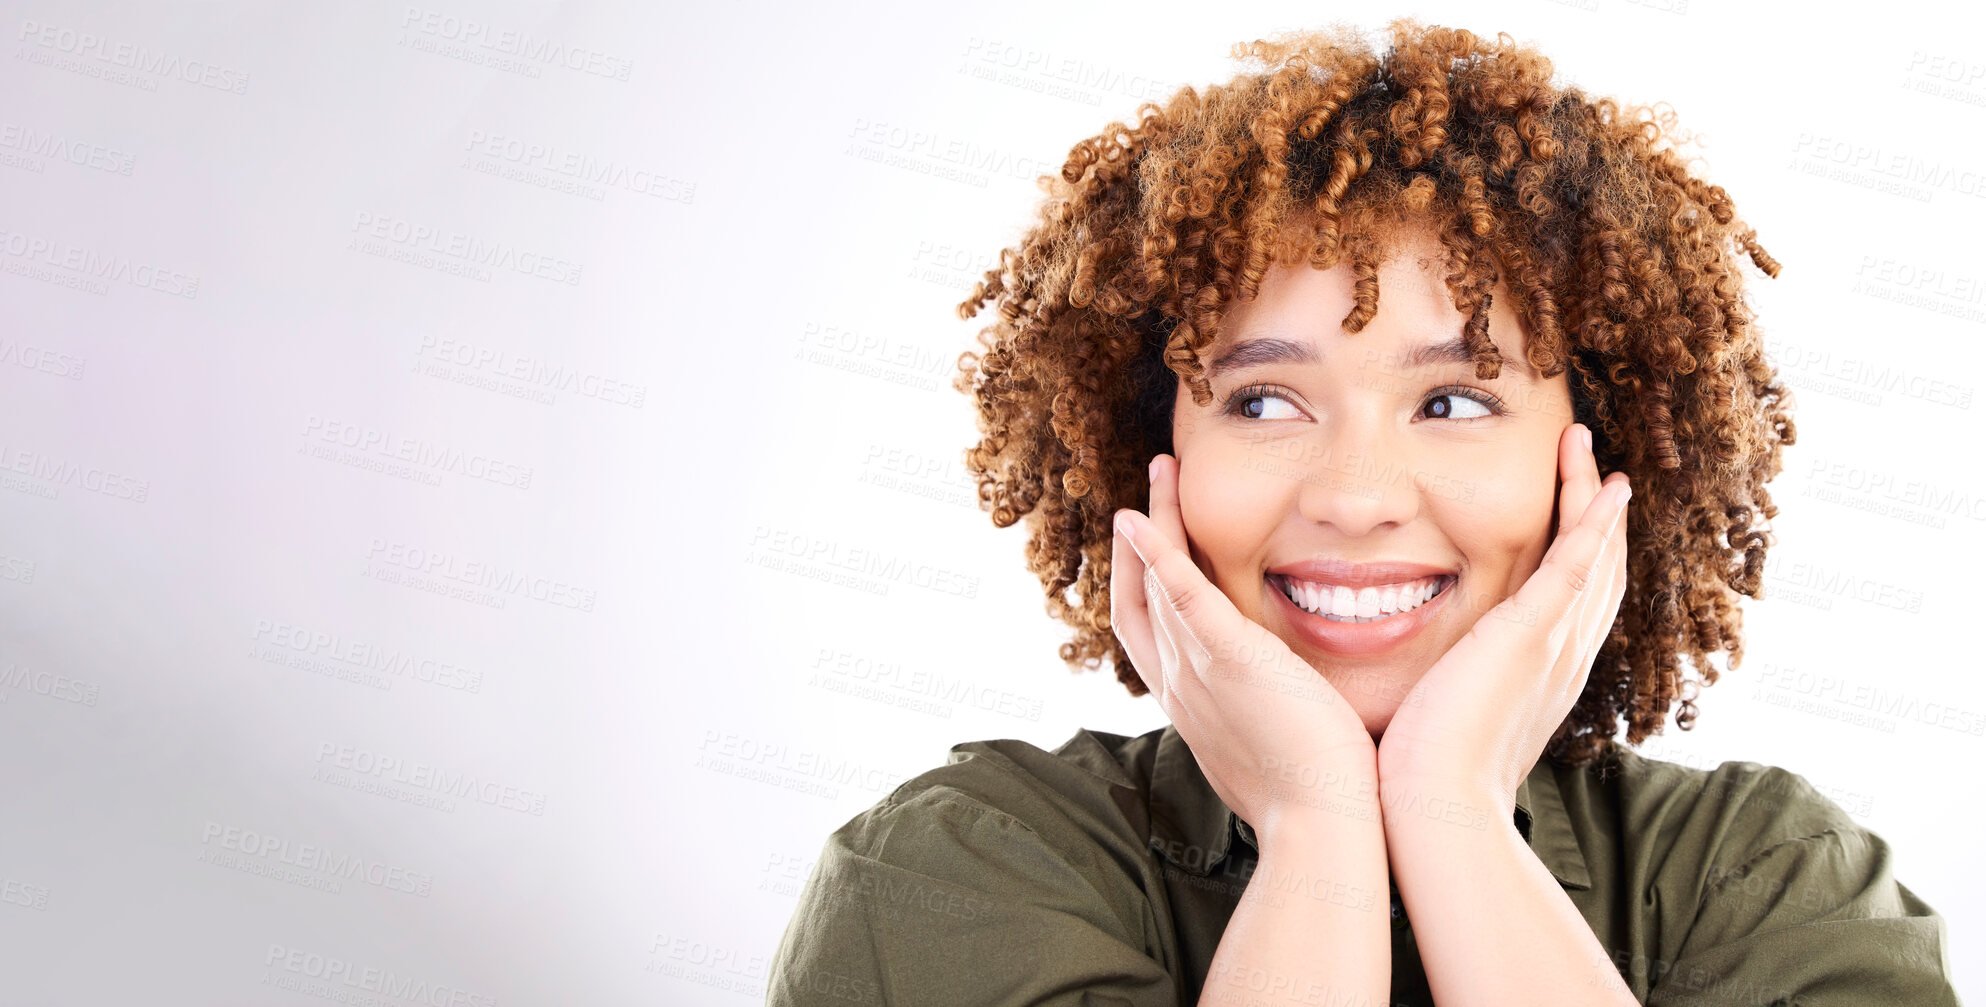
(480, 494)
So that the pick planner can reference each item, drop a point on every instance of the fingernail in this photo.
(1151, 471)
(1124, 529)
(1586, 434)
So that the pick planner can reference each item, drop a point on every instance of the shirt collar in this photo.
(1192, 828)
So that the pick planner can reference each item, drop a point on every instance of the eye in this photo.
(1243, 404)
(1441, 404)
(1448, 396)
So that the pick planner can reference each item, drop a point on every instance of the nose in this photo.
(1362, 478)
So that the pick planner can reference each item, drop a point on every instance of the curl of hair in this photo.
(1624, 268)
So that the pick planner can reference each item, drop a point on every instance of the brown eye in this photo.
(1457, 403)
(1252, 403)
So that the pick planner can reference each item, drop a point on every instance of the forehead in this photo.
(1416, 323)
(1412, 282)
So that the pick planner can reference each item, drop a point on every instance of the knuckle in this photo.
(1186, 602)
(1577, 576)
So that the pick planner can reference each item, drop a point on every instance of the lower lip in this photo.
(1355, 638)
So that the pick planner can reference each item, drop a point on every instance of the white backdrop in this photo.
(480, 492)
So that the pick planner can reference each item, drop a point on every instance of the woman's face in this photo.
(1335, 451)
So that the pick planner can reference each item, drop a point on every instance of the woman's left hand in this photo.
(1480, 717)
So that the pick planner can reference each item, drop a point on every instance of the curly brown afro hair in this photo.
(1624, 268)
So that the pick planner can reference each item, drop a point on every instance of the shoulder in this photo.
(1028, 857)
(1724, 815)
(1740, 849)
(1001, 809)
(1089, 763)
(1753, 880)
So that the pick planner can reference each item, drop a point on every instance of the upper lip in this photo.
(1357, 575)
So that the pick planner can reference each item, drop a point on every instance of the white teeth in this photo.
(1343, 601)
(1365, 604)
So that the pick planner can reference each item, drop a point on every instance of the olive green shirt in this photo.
(1105, 871)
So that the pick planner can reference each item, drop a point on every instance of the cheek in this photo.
(1229, 508)
(1502, 522)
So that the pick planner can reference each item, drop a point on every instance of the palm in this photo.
(1455, 706)
(1481, 715)
(1298, 698)
(1248, 706)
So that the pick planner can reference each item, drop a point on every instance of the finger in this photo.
(1130, 616)
(1568, 571)
(1164, 508)
(1164, 532)
(1579, 475)
(1173, 598)
(1193, 621)
(1610, 613)
(1168, 667)
(1580, 472)
(1599, 609)
(1613, 570)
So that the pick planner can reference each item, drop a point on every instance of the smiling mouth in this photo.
(1364, 604)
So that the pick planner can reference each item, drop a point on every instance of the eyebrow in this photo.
(1275, 350)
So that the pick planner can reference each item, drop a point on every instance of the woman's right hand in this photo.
(1274, 738)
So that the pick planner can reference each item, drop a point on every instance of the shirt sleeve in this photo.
(1813, 920)
(942, 899)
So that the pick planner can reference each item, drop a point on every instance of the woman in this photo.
(1367, 562)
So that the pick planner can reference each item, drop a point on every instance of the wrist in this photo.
(1325, 811)
(1337, 858)
(1448, 808)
